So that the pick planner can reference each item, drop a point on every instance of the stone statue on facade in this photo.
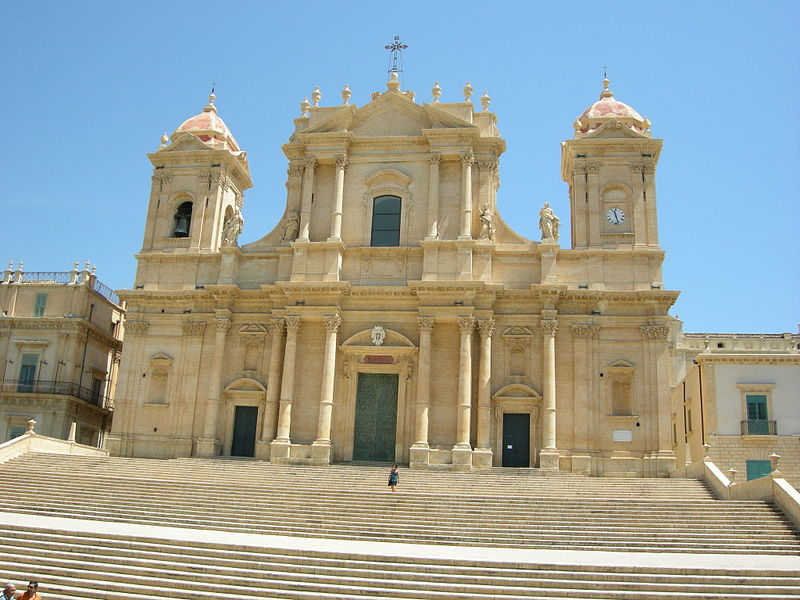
(548, 223)
(231, 228)
(292, 227)
(487, 224)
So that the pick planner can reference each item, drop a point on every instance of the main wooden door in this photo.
(244, 431)
(376, 417)
(516, 440)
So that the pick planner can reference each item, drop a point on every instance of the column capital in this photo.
(295, 169)
(222, 324)
(310, 164)
(435, 158)
(655, 333)
(342, 162)
(486, 327)
(276, 325)
(489, 165)
(333, 323)
(194, 328)
(466, 324)
(136, 327)
(589, 332)
(426, 324)
(292, 323)
(549, 328)
(467, 158)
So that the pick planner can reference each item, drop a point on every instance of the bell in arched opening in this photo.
(183, 220)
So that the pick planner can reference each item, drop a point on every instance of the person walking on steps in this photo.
(32, 593)
(9, 592)
(394, 478)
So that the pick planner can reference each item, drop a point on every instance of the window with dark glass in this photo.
(39, 305)
(183, 220)
(386, 221)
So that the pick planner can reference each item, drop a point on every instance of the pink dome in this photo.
(209, 127)
(608, 108)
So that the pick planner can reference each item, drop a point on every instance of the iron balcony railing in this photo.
(106, 292)
(67, 277)
(759, 427)
(65, 388)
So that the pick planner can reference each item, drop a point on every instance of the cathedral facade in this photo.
(392, 315)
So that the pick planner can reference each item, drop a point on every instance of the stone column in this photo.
(583, 337)
(462, 451)
(420, 452)
(208, 444)
(433, 196)
(467, 160)
(279, 450)
(305, 205)
(270, 422)
(548, 456)
(338, 200)
(321, 448)
(656, 339)
(482, 455)
(294, 182)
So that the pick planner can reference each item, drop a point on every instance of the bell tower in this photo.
(610, 166)
(196, 199)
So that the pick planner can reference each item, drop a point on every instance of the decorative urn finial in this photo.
(436, 91)
(346, 95)
(305, 106)
(486, 101)
(393, 85)
(468, 89)
(316, 96)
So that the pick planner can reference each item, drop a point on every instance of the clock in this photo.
(615, 216)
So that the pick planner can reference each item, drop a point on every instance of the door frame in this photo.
(233, 429)
(503, 440)
(516, 398)
(245, 391)
(356, 351)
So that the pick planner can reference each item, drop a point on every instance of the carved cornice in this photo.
(549, 328)
(194, 328)
(486, 327)
(426, 324)
(589, 332)
(333, 323)
(466, 325)
(653, 333)
(755, 359)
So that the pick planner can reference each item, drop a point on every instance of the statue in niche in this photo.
(231, 228)
(548, 223)
(292, 227)
(487, 224)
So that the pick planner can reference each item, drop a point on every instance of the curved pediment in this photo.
(517, 390)
(393, 339)
(245, 384)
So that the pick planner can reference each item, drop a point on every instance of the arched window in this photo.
(183, 220)
(386, 221)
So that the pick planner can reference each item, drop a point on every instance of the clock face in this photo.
(615, 216)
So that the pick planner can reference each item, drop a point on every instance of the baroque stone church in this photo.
(392, 315)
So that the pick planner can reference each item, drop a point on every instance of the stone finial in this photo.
(164, 140)
(393, 85)
(706, 449)
(647, 124)
(732, 475)
(210, 106)
(305, 106)
(87, 265)
(316, 96)
(606, 93)
(436, 91)
(31, 425)
(577, 125)
(774, 459)
(468, 89)
(346, 95)
(11, 265)
(485, 101)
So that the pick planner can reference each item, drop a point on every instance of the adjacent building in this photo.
(60, 347)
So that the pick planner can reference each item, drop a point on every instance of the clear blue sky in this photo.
(89, 87)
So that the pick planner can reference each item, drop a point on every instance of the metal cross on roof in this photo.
(396, 53)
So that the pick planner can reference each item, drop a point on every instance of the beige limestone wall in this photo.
(735, 451)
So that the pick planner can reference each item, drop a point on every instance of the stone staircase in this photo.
(499, 534)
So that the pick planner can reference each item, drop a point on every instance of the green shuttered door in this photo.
(376, 417)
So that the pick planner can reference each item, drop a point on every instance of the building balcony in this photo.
(759, 427)
(61, 388)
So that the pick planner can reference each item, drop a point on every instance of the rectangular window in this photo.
(27, 372)
(39, 305)
(97, 386)
(757, 407)
(758, 468)
(386, 221)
